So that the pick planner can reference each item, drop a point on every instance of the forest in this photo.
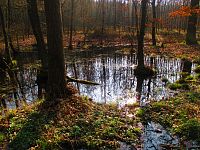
(99, 75)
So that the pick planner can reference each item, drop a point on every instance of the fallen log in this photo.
(70, 79)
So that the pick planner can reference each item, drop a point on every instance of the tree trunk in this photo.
(115, 14)
(35, 23)
(56, 70)
(140, 51)
(7, 51)
(136, 17)
(154, 23)
(103, 17)
(71, 25)
(192, 23)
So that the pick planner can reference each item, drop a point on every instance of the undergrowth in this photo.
(68, 124)
(179, 114)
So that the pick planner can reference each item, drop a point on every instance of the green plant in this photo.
(197, 60)
(193, 97)
(2, 137)
(189, 130)
(75, 131)
(197, 69)
(165, 80)
(189, 78)
(174, 86)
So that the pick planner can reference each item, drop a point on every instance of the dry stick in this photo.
(70, 79)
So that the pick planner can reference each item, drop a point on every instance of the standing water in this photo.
(117, 81)
(115, 74)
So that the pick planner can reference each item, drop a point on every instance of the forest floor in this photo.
(179, 114)
(79, 122)
(73, 123)
(173, 42)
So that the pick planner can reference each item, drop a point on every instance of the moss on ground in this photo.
(179, 114)
(72, 123)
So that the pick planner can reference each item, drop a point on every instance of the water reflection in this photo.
(115, 73)
(155, 136)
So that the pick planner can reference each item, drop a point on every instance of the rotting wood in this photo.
(70, 79)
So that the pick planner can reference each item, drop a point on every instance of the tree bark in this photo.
(103, 17)
(37, 31)
(140, 51)
(7, 51)
(192, 23)
(154, 23)
(71, 25)
(56, 70)
(115, 15)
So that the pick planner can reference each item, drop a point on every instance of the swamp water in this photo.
(115, 74)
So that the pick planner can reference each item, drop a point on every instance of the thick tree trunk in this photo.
(154, 23)
(35, 23)
(56, 70)
(192, 23)
(140, 51)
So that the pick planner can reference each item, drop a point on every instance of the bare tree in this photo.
(56, 70)
(192, 23)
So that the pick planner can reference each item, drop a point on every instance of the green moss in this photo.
(197, 69)
(189, 78)
(197, 76)
(193, 97)
(77, 123)
(2, 137)
(165, 80)
(189, 130)
(179, 85)
(174, 86)
(197, 60)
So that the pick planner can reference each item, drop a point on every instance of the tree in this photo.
(56, 66)
(35, 23)
(71, 25)
(154, 23)
(37, 31)
(103, 17)
(192, 23)
(140, 51)
(115, 14)
(6, 42)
